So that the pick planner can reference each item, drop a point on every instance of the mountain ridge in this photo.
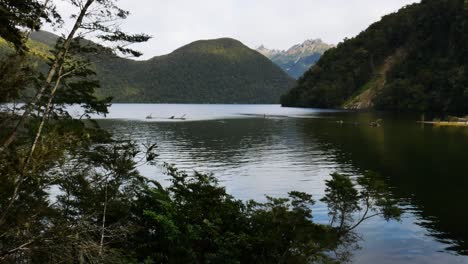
(415, 59)
(298, 58)
(221, 70)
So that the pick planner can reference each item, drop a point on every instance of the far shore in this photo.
(446, 123)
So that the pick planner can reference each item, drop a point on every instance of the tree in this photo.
(27, 165)
(411, 60)
(70, 193)
(93, 16)
(344, 200)
(16, 72)
(15, 15)
(195, 220)
(96, 16)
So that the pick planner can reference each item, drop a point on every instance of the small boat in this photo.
(150, 116)
(177, 118)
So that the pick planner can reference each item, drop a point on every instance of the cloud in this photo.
(274, 23)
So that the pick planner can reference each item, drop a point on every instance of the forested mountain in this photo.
(412, 60)
(209, 71)
(297, 59)
(44, 37)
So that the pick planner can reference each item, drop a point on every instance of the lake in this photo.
(257, 150)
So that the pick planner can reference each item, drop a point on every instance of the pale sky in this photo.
(276, 24)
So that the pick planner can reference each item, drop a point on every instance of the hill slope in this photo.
(208, 71)
(412, 60)
(297, 59)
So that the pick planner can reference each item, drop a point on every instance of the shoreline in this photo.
(445, 123)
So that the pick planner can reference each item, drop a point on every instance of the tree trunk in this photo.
(56, 67)
(103, 228)
(31, 151)
(52, 72)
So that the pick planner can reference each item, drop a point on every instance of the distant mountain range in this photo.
(413, 60)
(297, 59)
(207, 71)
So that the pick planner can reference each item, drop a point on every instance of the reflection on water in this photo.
(258, 150)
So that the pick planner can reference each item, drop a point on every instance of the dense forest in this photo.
(210, 71)
(412, 60)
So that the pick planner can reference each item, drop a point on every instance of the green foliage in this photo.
(15, 15)
(100, 195)
(430, 75)
(213, 71)
(70, 193)
(78, 86)
(345, 200)
(342, 199)
(15, 75)
(196, 221)
(19, 70)
(28, 221)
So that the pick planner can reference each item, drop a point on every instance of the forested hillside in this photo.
(208, 71)
(412, 60)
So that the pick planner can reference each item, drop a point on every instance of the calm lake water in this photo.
(257, 150)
